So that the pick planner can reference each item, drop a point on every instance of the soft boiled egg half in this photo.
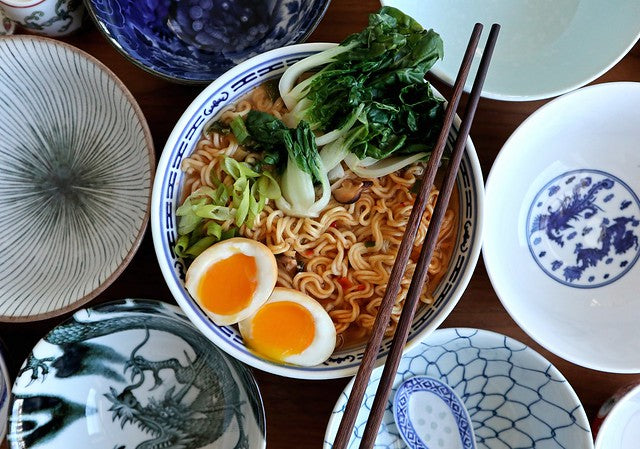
(232, 279)
(291, 328)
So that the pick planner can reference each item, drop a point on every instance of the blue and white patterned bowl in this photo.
(167, 193)
(563, 207)
(195, 41)
(133, 374)
(514, 396)
(77, 163)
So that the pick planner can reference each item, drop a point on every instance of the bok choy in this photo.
(368, 96)
(295, 155)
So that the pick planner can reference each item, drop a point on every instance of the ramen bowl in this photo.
(167, 194)
(563, 224)
(198, 40)
(545, 48)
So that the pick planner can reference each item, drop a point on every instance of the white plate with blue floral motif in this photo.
(133, 374)
(562, 239)
(514, 396)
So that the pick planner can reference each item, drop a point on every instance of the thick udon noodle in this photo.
(346, 254)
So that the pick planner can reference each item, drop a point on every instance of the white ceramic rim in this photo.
(496, 95)
(608, 420)
(495, 280)
(253, 360)
(479, 332)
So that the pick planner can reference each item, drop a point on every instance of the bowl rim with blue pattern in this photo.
(166, 195)
(121, 92)
(105, 29)
(497, 358)
(562, 205)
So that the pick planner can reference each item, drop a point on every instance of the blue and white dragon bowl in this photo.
(562, 239)
(133, 374)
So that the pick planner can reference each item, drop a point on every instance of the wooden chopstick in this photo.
(420, 273)
(368, 361)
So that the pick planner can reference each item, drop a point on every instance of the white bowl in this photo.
(561, 241)
(621, 427)
(167, 193)
(77, 164)
(133, 374)
(545, 48)
(515, 397)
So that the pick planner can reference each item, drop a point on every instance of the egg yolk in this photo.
(280, 329)
(228, 285)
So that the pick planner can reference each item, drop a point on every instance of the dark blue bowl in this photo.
(195, 41)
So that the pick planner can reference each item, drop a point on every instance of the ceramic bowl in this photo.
(515, 397)
(5, 392)
(167, 194)
(133, 373)
(621, 427)
(544, 49)
(77, 163)
(563, 226)
(198, 40)
(47, 17)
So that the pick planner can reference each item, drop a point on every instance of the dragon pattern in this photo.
(569, 216)
(186, 416)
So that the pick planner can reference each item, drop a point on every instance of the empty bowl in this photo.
(546, 48)
(169, 190)
(77, 163)
(134, 374)
(196, 41)
(515, 398)
(561, 243)
(621, 427)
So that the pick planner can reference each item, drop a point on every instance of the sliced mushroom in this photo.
(350, 190)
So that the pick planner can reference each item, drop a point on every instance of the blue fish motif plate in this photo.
(133, 374)
(562, 241)
(515, 398)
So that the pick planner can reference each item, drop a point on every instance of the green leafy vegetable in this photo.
(210, 215)
(370, 93)
(218, 127)
(239, 129)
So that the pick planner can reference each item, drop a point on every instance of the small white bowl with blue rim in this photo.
(167, 194)
(515, 398)
(562, 239)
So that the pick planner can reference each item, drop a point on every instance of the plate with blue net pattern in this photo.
(514, 396)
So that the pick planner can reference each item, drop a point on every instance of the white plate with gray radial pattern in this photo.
(76, 166)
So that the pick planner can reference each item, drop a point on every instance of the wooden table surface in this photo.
(297, 411)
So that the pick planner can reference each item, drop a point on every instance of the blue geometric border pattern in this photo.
(442, 391)
(583, 228)
(515, 398)
(172, 182)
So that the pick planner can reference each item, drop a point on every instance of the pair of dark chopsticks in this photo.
(400, 265)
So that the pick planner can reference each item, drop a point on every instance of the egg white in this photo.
(324, 339)
(266, 274)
